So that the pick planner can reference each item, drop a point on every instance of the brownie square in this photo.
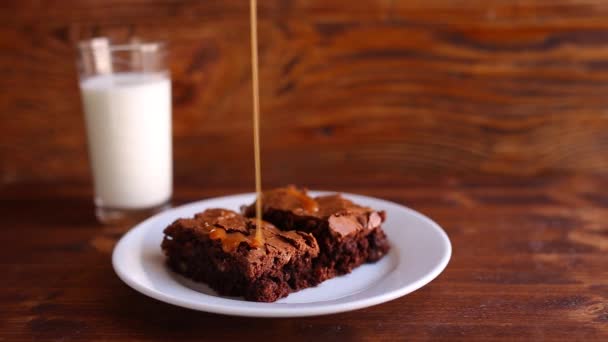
(348, 234)
(214, 247)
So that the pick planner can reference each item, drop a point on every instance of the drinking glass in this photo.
(126, 96)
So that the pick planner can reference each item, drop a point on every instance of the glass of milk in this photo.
(126, 95)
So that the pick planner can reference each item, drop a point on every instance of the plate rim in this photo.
(270, 309)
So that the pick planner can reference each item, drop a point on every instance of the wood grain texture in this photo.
(529, 263)
(374, 87)
(439, 105)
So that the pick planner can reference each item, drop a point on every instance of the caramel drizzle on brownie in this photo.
(305, 202)
(230, 241)
(290, 198)
(230, 228)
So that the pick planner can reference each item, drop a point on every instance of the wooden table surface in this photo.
(488, 116)
(529, 261)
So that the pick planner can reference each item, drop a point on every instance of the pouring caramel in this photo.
(258, 241)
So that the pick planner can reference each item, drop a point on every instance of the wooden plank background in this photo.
(380, 88)
(488, 116)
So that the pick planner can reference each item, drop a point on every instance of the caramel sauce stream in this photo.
(258, 241)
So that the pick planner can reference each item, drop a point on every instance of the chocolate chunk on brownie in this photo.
(348, 234)
(215, 247)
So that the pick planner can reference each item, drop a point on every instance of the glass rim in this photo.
(102, 43)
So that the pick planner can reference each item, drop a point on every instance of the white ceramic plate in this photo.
(420, 250)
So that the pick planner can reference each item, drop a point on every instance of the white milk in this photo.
(128, 118)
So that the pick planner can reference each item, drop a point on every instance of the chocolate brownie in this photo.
(215, 247)
(348, 234)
